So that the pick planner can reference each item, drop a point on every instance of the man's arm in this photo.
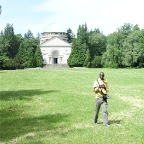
(106, 85)
(96, 86)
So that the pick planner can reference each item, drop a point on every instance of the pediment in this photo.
(55, 41)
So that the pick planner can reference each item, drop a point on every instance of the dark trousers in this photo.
(99, 102)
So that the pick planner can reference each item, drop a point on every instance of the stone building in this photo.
(55, 49)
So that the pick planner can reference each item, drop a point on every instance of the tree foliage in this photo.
(70, 35)
(79, 47)
(125, 48)
(17, 51)
(0, 9)
(122, 48)
(86, 47)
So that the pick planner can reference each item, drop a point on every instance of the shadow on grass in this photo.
(14, 123)
(23, 94)
(13, 126)
(114, 122)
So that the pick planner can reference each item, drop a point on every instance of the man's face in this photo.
(101, 75)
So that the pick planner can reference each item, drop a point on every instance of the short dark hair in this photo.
(101, 73)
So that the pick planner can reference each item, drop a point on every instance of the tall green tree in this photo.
(11, 39)
(114, 52)
(18, 52)
(9, 47)
(133, 48)
(141, 46)
(38, 59)
(29, 54)
(79, 47)
(28, 35)
(73, 58)
(87, 62)
(124, 48)
(0, 9)
(97, 45)
(25, 56)
(70, 35)
(4, 45)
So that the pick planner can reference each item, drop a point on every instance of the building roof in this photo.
(55, 42)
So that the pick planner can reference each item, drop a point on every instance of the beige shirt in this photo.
(100, 91)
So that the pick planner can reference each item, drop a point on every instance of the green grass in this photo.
(57, 106)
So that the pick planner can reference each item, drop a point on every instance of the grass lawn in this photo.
(57, 106)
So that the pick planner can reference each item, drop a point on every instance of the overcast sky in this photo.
(59, 15)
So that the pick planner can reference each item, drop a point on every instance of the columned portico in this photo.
(55, 51)
(55, 54)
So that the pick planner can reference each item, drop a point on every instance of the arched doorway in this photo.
(55, 57)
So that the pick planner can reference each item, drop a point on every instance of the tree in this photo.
(73, 58)
(87, 62)
(79, 47)
(96, 62)
(133, 48)
(9, 47)
(29, 35)
(11, 39)
(0, 9)
(126, 29)
(70, 35)
(141, 46)
(38, 59)
(18, 52)
(113, 55)
(125, 48)
(97, 43)
(82, 44)
(4, 45)
(25, 56)
(29, 54)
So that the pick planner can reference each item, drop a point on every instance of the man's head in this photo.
(101, 75)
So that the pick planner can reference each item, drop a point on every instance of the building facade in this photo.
(55, 48)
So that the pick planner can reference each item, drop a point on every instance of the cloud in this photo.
(105, 14)
(59, 15)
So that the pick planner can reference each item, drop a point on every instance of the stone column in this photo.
(59, 60)
(50, 60)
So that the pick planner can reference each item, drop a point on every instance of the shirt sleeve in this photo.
(107, 88)
(95, 86)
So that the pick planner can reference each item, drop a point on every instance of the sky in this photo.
(59, 15)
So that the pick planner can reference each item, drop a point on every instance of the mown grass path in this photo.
(57, 106)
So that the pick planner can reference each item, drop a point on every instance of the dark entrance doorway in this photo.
(55, 60)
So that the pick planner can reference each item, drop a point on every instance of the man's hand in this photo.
(102, 86)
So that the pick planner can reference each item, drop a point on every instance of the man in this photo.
(101, 89)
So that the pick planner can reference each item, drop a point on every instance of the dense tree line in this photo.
(125, 48)
(87, 48)
(122, 48)
(0, 9)
(17, 51)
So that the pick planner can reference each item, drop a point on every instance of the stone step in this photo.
(47, 66)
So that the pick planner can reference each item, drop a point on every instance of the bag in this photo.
(105, 96)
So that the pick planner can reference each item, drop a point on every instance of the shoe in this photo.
(107, 125)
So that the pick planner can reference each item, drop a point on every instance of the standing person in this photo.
(101, 89)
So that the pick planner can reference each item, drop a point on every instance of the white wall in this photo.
(64, 53)
(55, 44)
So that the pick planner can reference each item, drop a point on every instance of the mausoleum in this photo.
(55, 49)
